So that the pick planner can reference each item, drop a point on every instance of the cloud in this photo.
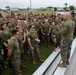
(35, 3)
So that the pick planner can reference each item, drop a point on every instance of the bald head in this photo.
(66, 15)
(46, 20)
(25, 21)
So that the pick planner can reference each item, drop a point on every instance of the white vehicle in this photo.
(60, 11)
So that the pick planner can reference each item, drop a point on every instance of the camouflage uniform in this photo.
(15, 57)
(67, 31)
(46, 37)
(20, 40)
(38, 29)
(9, 29)
(33, 36)
(56, 35)
(25, 30)
(4, 35)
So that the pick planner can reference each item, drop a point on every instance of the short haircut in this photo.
(67, 14)
(14, 32)
(18, 27)
(31, 25)
(8, 23)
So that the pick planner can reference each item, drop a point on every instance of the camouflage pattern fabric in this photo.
(65, 50)
(16, 63)
(35, 50)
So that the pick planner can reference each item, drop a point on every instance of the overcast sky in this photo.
(36, 3)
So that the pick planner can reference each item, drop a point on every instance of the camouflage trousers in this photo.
(2, 62)
(16, 64)
(65, 50)
(35, 51)
(46, 39)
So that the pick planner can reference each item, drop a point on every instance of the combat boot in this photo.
(63, 64)
(41, 60)
(20, 74)
(23, 66)
(48, 46)
(33, 61)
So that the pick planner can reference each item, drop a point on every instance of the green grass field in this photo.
(38, 12)
(31, 68)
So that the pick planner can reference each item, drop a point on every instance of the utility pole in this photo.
(30, 6)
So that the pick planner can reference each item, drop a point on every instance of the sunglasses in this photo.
(32, 27)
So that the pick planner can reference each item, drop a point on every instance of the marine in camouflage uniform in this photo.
(66, 39)
(25, 28)
(9, 28)
(34, 48)
(4, 35)
(45, 30)
(14, 53)
(56, 36)
(21, 40)
(38, 28)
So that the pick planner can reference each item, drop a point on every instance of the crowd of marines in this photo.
(21, 34)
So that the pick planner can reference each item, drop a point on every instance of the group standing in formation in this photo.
(21, 34)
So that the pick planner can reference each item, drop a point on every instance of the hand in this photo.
(43, 33)
(48, 34)
(32, 48)
(55, 40)
(23, 41)
(58, 27)
(8, 40)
